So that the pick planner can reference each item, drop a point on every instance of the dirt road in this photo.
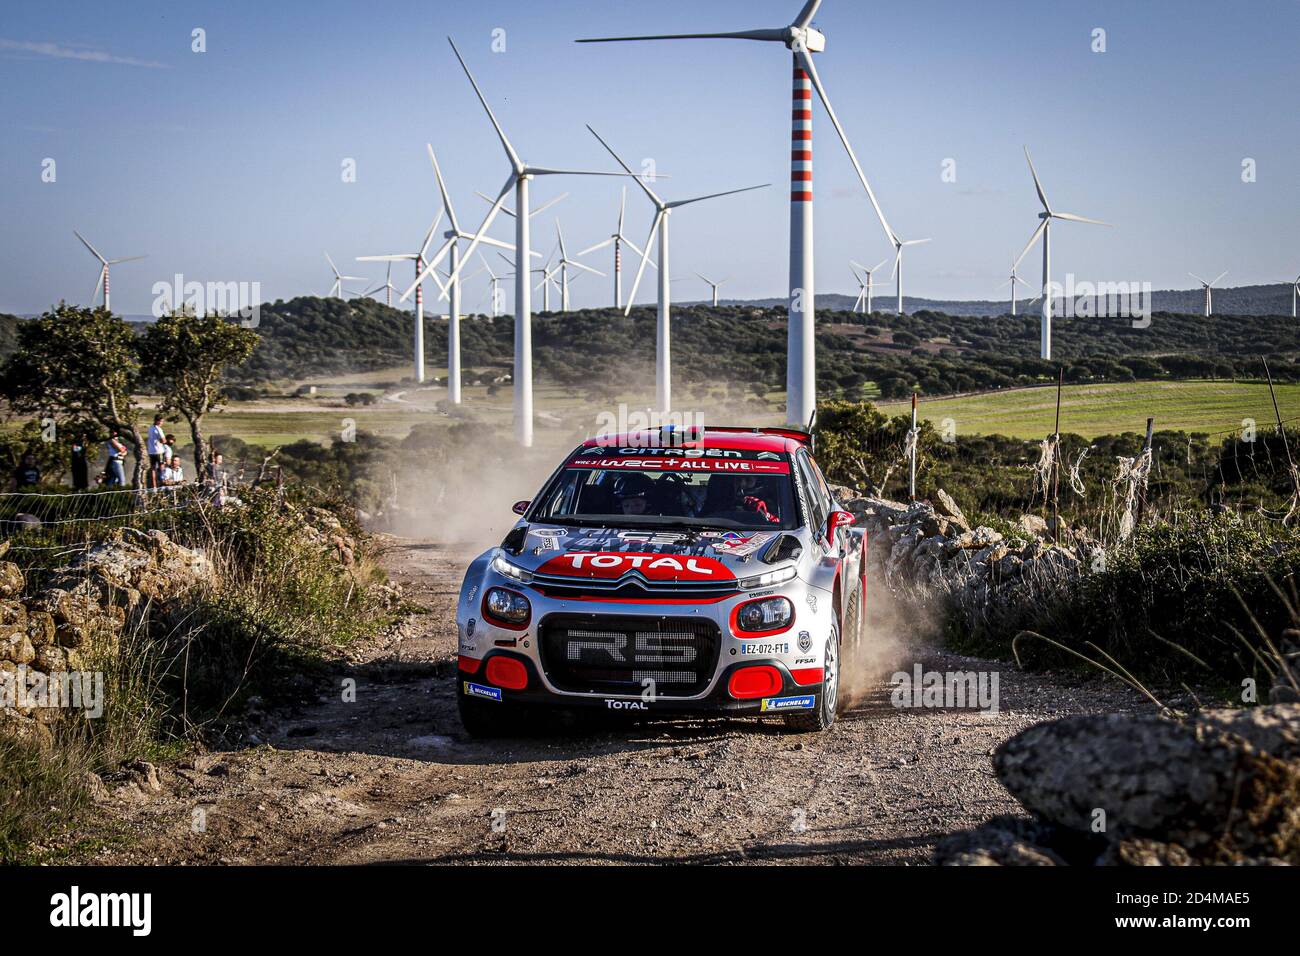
(391, 777)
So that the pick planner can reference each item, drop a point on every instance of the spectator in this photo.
(217, 470)
(116, 462)
(154, 446)
(27, 473)
(173, 473)
(80, 467)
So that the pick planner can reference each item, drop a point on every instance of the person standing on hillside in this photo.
(116, 462)
(154, 446)
(80, 467)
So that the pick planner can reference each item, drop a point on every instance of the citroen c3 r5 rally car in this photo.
(667, 573)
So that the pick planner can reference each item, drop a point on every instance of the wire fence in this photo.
(40, 520)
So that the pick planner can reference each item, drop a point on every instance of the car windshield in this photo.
(723, 492)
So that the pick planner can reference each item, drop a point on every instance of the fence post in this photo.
(1142, 488)
(911, 481)
(1056, 460)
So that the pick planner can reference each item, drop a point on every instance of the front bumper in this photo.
(791, 698)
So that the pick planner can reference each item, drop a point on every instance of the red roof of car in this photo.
(786, 440)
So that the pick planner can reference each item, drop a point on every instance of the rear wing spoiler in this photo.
(795, 434)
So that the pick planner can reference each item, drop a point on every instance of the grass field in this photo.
(1092, 410)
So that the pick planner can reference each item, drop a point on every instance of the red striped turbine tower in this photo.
(803, 41)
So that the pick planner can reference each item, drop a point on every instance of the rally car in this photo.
(667, 573)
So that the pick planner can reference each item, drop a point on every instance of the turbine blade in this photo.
(585, 268)
(442, 188)
(479, 236)
(806, 59)
(559, 234)
(93, 251)
(398, 257)
(428, 238)
(599, 245)
(515, 161)
(1042, 196)
(622, 205)
(877, 265)
(806, 14)
(729, 192)
(547, 205)
(654, 227)
(1218, 277)
(915, 242)
(488, 199)
(898, 257)
(1073, 218)
(779, 36)
(618, 159)
(1198, 278)
(332, 265)
(1032, 239)
(113, 262)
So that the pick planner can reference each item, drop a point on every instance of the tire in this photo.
(851, 646)
(823, 715)
(486, 719)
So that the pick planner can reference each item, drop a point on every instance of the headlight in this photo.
(507, 607)
(768, 578)
(501, 566)
(765, 614)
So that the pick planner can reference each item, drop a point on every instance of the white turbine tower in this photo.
(1045, 230)
(713, 285)
(418, 259)
(803, 41)
(1295, 298)
(521, 175)
(565, 264)
(494, 284)
(864, 287)
(618, 239)
(663, 338)
(1012, 282)
(1208, 286)
(101, 281)
(336, 290)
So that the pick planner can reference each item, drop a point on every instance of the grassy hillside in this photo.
(1093, 410)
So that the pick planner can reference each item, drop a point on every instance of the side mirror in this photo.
(837, 520)
(520, 507)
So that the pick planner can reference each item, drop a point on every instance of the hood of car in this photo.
(609, 554)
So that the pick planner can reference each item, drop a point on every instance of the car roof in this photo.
(787, 440)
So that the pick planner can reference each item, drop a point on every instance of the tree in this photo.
(185, 357)
(81, 363)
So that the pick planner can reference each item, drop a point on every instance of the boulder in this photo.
(945, 506)
(1222, 784)
(11, 580)
(1003, 841)
(1033, 526)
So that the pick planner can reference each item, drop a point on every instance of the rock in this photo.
(978, 539)
(16, 646)
(1010, 566)
(145, 776)
(933, 524)
(945, 506)
(1142, 851)
(1222, 784)
(1033, 526)
(12, 581)
(1003, 841)
(40, 628)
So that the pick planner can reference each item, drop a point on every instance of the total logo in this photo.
(655, 567)
(611, 704)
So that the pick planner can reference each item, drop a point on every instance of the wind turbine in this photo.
(387, 288)
(521, 175)
(101, 283)
(1012, 282)
(565, 264)
(663, 362)
(803, 41)
(418, 259)
(897, 271)
(713, 285)
(336, 290)
(1045, 230)
(1295, 297)
(864, 288)
(617, 239)
(494, 283)
(1207, 286)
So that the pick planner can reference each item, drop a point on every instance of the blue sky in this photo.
(226, 165)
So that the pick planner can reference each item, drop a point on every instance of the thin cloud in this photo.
(86, 54)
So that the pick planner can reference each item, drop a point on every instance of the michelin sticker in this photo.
(487, 693)
(739, 547)
(805, 702)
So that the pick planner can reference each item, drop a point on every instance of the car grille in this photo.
(630, 587)
(600, 653)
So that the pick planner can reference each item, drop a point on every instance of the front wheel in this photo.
(823, 715)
